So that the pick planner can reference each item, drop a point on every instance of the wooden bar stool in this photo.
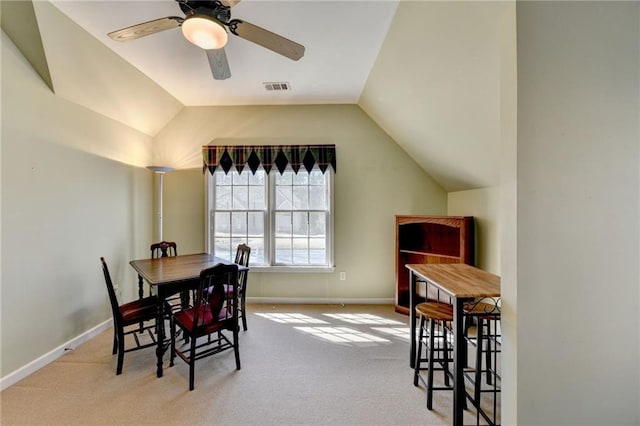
(486, 342)
(435, 322)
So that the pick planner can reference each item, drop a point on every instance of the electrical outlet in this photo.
(343, 276)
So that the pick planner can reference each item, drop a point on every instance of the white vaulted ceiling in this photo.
(342, 40)
(427, 72)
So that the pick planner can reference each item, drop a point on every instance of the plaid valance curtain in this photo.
(267, 156)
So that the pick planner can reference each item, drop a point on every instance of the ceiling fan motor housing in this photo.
(206, 7)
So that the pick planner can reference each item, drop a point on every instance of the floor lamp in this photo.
(160, 171)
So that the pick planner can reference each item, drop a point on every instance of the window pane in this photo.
(317, 224)
(300, 225)
(283, 198)
(222, 248)
(223, 179)
(222, 224)
(316, 177)
(223, 198)
(283, 250)
(300, 198)
(301, 178)
(317, 251)
(240, 179)
(239, 224)
(257, 251)
(283, 224)
(317, 198)
(284, 179)
(240, 198)
(300, 251)
(255, 224)
(258, 178)
(256, 198)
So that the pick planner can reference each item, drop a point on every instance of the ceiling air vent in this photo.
(272, 86)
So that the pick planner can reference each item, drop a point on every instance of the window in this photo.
(285, 218)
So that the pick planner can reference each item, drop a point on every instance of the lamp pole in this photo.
(160, 171)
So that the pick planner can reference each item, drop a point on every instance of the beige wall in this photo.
(375, 181)
(184, 210)
(484, 205)
(578, 165)
(65, 203)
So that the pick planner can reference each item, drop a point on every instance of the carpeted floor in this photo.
(301, 364)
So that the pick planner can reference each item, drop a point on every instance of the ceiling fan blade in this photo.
(229, 3)
(219, 64)
(265, 38)
(146, 28)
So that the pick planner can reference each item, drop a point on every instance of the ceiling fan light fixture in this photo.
(204, 31)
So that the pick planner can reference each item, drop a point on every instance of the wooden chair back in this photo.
(115, 307)
(164, 249)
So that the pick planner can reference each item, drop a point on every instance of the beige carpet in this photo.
(303, 371)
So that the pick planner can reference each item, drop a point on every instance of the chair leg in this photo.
(120, 352)
(236, 348)
(244, 311)
(192, 363)
(172, 326)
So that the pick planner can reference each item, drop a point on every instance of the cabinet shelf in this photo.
(428, 253)
(430, 239)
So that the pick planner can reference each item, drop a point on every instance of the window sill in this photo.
(294, 269)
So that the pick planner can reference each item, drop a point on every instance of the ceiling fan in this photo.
(205, 25)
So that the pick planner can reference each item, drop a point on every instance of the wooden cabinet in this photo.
(430, 239)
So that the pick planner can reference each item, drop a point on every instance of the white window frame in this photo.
(270, 225)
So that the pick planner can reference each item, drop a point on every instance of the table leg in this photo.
(140, 284)
(140, 294)
(412, 316)
(459, 347)
(160, 330)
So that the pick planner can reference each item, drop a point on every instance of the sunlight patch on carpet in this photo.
(291, 318)
(342, 335)
(363, 319)
(401, 332)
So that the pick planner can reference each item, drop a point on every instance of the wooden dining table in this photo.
(171, 275)
(464, 283)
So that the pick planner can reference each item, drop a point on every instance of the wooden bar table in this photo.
(463, 283)
(171, 275)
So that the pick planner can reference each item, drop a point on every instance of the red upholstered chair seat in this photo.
(206, 323)
(133, 311)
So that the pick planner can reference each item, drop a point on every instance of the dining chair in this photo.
(214, 314)
(243, 253)
(168, 249)
(143, 311)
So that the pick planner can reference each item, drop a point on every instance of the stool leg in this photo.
(445, 354)
(478, 372)
(430, 350)
(416, 372)
(488, 352)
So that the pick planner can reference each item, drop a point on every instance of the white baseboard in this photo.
(320, 301)
(51, 356)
